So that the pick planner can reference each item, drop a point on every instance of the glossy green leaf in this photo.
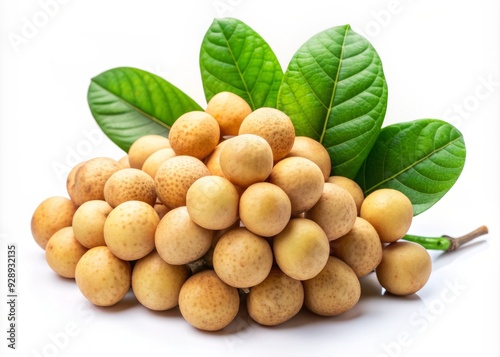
(234, 58)
(128, 103)
(422, 158)
(335, 92)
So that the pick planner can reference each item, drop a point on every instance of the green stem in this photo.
(446, 243)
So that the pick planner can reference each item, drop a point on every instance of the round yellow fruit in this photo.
(143, 147)
(49, 216)
(212, 202)
(265, 209)
(274, 126)
(174, 177)
(313, 150)
(302, 249)
(246, 159)
(63, 252)
(229, 110)
(129, 230)
(390, 212)
(101, 277)
(208, 303)
(195, 134)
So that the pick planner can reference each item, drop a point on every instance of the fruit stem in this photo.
(445, 242)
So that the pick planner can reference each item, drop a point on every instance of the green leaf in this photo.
(334, 91)
(422, 158)
(234, 58)
(128, 103)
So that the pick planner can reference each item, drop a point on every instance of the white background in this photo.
(441, 60)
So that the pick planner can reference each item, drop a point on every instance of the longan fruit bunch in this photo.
(232, 205)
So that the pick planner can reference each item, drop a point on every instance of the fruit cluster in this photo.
(231, 205)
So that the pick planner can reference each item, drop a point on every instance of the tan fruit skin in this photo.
(301, 250)
(335, 211)
(301, 179)
(101, 277)
(229, 110)
(91, 177)
(157, 284)
(335, 290)
(51, 215)
(212, 202)
(390, 212)
(179, 240)
(274, 126)
(246, 159)
(129, 185)
(311, 149)
(174, 177)
(129, 230)
(351, 186)
(265, 209)
(143, 147)
(361, 248)
(276, 300)
(207, 303)
(405, 268)
(195, 134)
(242, 259)
(88, 223)
(63, 252)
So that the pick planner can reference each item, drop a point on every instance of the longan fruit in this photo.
(208, 303)
(301, 179)
(335, 211)
(275, 300)
(335, 290)
(70, 184)
(301, 250)
(246, 159)
(229, 110)
(212, 161)
(63, 252)
(124, 162)
(101, 277)
(313, 150)
(91, 177)
(143, 147)
(179, 240)
(129, 185)
(242, 259)
(405, 268)
(129, 230)
(351, 186)
(50, 215)
(154, 160)
(157, 284)
(212, 202)
(88, 223)
(195, 134)
(174, 177)
(360, 248)
(265, 209)
(274, 126)
(390, 212)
